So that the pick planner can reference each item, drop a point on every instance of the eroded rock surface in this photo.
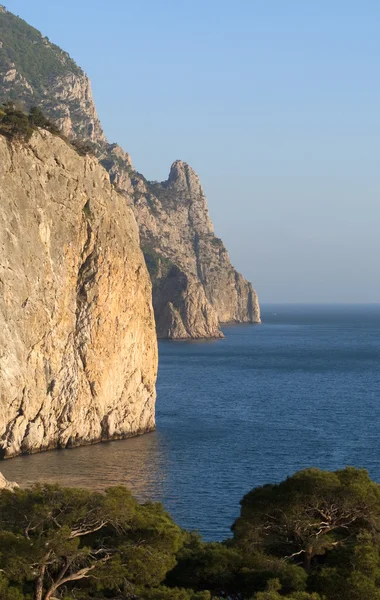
(7, 485)
(36, 72)
(78, 354)
(195, 287)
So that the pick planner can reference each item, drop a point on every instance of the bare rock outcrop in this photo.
(78, 350)
(195, 287)
(73, 109)
(181, 308)
(7, 485)
(67, 100)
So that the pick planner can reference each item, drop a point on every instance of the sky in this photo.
(275, 104)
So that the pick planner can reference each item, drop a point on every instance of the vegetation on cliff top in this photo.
(17, 125)
(35, 58)
(315, 536)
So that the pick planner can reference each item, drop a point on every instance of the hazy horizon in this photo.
(275, 107)
(375, 302)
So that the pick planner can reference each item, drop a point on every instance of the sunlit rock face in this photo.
(7, 485)
(78, 350)
(202, 289)
(195, 287)
(34, 71)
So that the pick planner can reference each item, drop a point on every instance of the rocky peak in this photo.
(119, 154)
(198, 288)
(183, 178)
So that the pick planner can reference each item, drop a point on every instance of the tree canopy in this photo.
(52, 538)
(309, 513)
(315, 536)
(17, 124)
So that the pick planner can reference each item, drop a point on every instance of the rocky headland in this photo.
(195, 287)
(96, 261)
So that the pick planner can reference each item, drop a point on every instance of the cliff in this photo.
(78, 355)
(195, 287)
(34, 71)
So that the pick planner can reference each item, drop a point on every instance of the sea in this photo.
(300, 390)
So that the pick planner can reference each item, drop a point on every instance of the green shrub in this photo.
(18, 125)
(62, 538)
(15, 123)
(38, 119)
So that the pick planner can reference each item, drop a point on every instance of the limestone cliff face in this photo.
(34, 71)
(201, 289)
(78, 355)
(68, 101)
(195, 287)
(73, 107)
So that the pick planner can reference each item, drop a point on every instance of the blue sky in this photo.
(274, 103)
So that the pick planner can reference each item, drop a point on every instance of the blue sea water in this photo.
(300, 390)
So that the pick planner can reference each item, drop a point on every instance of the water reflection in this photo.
(138, 463)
